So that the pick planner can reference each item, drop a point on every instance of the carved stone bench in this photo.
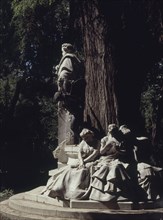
(66, 155)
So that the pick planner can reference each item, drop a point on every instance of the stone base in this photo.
(33, 206)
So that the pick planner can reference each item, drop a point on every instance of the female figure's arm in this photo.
(81, 162)
(104, 145)
(89, 153)
(92, 156)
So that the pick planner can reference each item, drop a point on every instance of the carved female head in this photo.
(87, 135)
(111, 127)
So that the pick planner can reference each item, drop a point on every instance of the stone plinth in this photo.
(66, 154)
(33, 206)
(64, 126)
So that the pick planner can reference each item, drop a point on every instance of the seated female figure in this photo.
(72, 183)
(110, 180)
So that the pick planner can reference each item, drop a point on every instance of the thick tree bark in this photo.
(100, 99)
(119, 49)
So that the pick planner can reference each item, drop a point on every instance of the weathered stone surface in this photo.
(32, 206)
(64, 131)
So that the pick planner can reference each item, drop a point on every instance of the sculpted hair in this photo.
(85, 132)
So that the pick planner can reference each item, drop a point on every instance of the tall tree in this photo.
(119, 50)
(100, 100)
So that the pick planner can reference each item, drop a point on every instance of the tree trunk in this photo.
(119, 49)
(100, 99)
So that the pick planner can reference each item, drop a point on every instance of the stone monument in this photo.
(70, 95)
(96, 178)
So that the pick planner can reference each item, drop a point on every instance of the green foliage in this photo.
(152, 97)
(36, 109)
(5, 194)
(39, 28)
(49, 121)
(6, 39)
(28, 125)
(7, 89)
(32, 32)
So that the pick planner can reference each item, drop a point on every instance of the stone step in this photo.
(7, 213)
(62, 213)
(122, 205)
(84, 204)
(35, 195)
(32, 205)
(21, 209)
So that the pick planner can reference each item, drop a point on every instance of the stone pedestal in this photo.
(64, 127)
(66, 148)
(32, 205)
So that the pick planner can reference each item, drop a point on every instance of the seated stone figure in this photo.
(101, 174)
(110, 179)
(140, 169)
(149, 179)
(72, 183)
